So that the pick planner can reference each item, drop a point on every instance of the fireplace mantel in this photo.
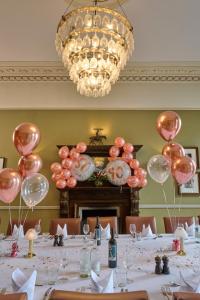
(86, 194)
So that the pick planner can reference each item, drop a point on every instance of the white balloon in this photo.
(117, 172)
(83, 168)
(159, 168)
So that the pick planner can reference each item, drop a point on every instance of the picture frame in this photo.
(3, 162)
(192, 187)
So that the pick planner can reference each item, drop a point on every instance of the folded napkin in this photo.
(62, 231)
(104, 285)
(105, 232)
(18, 232)
(191, 281)
(146, 231)
(22, 284)
(190, 229)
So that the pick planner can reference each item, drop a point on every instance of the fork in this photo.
(167, 292)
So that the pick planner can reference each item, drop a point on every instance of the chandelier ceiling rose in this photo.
(95, 43)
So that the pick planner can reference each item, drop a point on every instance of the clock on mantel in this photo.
(100, 198)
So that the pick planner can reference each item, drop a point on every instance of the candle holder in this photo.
(181, 234)
(31, 235)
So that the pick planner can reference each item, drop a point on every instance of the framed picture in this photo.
(2, 162)
(192, 187)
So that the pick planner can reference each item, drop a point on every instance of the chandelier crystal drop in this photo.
(94, 43)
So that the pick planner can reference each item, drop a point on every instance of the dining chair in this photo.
(139, 221)
(16, 296)
(172, 223)
(29, 223)
(66, 295)
(73, 225)
(186, 296)
(103, 221)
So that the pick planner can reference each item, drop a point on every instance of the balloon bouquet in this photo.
(74, 166)
(34, 186)
(118, 170)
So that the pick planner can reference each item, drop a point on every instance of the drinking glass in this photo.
(52, 273)
(38, 228)
(132, 229)
(128, 262)
(86, 230)
(64, 262)
(121, 280)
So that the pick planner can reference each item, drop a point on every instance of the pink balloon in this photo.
(127, 157)
(114, 151)
(61, 184)
(55, 177)
(143, 182)
(71, 182)
(65, 174)
(10, 184)
(140, 172)
(128, 148)
(133, 181)
(63, 152)
(81, 147)
(74, 154)
(134, 164)
(183, 169)
(29, 164)
(56, 168)
(173, 151)
(26, 137)
(67, 163)
(168, 125)
(119, 142)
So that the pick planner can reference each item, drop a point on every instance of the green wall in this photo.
(70, 127)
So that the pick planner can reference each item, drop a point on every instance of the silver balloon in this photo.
(34, 189)
(117, 172)
(83, 168)
(159, 168)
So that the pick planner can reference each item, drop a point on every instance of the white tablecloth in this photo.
(142, 253)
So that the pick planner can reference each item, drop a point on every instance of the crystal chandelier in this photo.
(95, 43)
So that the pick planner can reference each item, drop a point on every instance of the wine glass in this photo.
(128, 262)
(86, 230)
(132, 229)
(38, 228)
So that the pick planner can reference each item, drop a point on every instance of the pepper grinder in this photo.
(158, 269)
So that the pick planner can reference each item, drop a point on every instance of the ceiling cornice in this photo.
(54, 71)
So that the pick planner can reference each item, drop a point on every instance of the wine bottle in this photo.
(98, 232)
(112, 251)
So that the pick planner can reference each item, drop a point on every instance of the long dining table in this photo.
(140, 256)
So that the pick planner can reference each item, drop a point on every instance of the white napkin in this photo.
(146, 231)
(190, 229)
(21, 284)
(62, 231)
(105, 232)
(104, 285)
(18, 232)
(191, 281)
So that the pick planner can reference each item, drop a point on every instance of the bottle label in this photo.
(97, 234)
(112, 252)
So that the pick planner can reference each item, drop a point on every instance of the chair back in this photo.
(172, 223)
(27, 225)
(103, 221)
(16, 296)
(65, 295)
(186, 296)
(73, 225)
(139, 221)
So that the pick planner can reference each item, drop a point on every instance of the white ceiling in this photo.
(165, 30)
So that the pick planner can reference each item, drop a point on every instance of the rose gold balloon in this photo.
(26, 137)
(55, 177)
(65, 174)
(67, 163)
(128, 148)
(127, 157)
(71, 182)
(133, 181)
(74, 154)
(119, 142)
(114, 151)
(168, 125)
(140, 172)
(10, 183)
(173, 151)
(63, 152)
(134, 164)
(183, 169)
(61, 184)
(29, 164)
(81, 147)
(143, 182)
(56, 168)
